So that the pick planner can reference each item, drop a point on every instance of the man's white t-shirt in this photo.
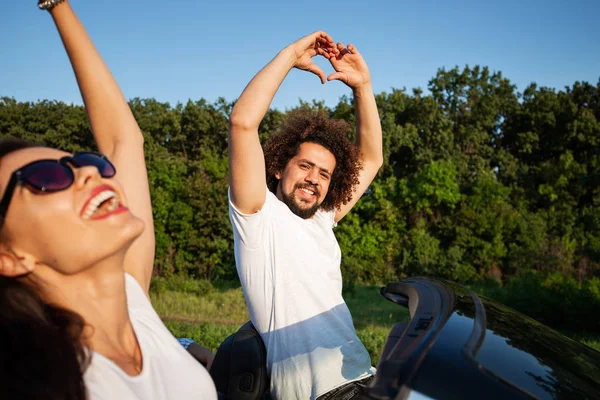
(168, 370)
(289, 268)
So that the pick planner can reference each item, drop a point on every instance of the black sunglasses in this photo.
(54, 175)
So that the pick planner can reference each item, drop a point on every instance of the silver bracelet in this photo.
(48, 4)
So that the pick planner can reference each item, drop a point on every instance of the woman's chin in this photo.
(135, 228)
(124, 235)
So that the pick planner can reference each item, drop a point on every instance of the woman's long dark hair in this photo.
(41, 350)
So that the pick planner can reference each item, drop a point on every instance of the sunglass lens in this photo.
(48, 176)
(105, 168)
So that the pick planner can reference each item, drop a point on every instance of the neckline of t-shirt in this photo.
(118, 370)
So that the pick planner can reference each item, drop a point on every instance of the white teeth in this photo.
(101, 197)
(308, 191)
(114, 203)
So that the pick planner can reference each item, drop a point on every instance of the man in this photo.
(283, 206)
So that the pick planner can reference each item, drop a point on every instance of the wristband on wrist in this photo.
(48, 4)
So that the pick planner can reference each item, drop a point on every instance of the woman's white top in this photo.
(168, 370)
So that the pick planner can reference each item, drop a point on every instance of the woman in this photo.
(76, 257)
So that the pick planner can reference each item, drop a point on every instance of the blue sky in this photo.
(175, 50)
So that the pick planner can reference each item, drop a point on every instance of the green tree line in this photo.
(480, 181)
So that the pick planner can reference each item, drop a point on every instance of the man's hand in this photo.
(350, 66)
(317, 43)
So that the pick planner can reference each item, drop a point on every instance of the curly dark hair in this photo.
(301, 126)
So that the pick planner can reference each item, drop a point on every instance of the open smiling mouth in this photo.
(101, 205)
(308, 192)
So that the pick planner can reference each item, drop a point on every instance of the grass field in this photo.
(210, 317)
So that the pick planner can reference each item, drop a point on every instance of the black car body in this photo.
(459, 345)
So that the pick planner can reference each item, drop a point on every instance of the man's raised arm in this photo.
(246, 160)
(352, 69)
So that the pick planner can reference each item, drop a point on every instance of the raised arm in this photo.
(352, 69)
(115, 131)
(246, 160)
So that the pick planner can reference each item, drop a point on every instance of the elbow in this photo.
(128, 142)
(377, 162)
(133, 135)
(371, 166)
(140, 139)
(380, 162)
(239, 122)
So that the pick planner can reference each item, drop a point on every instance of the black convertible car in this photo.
(457, 345)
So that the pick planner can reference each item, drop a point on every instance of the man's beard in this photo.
(289, 200)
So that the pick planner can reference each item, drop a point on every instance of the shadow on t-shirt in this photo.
(324, 344)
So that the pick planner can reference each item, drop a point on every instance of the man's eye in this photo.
(303, 166)
(324, 176)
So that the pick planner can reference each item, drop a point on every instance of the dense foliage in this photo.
(480, 182)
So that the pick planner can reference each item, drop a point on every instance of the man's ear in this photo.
(278, 175)
(13, 264)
